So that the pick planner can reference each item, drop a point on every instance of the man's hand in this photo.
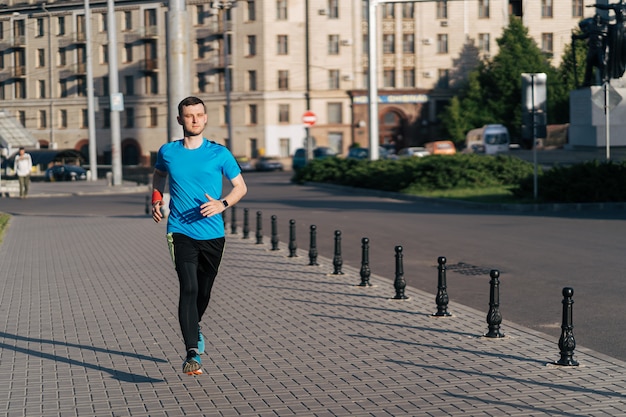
(157, 214)
(211, 207)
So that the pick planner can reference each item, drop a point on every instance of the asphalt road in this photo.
(537, 254)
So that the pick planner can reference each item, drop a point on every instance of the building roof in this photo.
(13, 134)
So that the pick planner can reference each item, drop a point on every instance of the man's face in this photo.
(193, 119)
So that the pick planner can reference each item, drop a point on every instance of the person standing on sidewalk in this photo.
(195, 228)
(23, 166)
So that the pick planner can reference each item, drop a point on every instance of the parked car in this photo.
(441, 147)
(364, 153)
(65, 173)
(244, 163)
(266, 163)
(418, 151)
(322, 152)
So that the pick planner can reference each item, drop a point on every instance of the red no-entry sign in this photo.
(309, 118)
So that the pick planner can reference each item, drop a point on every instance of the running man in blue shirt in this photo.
(195, 230)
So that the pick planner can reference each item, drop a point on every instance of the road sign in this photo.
(309, 118)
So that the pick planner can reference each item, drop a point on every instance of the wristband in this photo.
(156, 196)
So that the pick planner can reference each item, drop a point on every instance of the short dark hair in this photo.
(21, 148)
(189, 101)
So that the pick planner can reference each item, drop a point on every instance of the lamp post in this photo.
(226, 6)
(51, 117)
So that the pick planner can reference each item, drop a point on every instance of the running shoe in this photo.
(193, 363)
(200, 342)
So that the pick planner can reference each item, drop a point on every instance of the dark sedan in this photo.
(265, 163)
(65, 173)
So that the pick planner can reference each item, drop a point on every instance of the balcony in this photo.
(150, 65)
(76, 38)
(18, 71)
(149, 32)
(73, 71)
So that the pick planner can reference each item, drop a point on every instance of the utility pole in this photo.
(116, 100)
(178, 62)
(91, 117)
(50, 99)
(226, 6)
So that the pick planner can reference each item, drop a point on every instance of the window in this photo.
(366, 43)
(546, 8)
(2, 59)
(283, 80)
(80, 27)
(547, 43)
(200, 48)
(365, 9)
(284, 147)
(282, 47)
(251, 45)
(281, 9)
(129, 85)
(200, 14)
(389, 78)
(63, 118)
(442, 9)
(1, 30)
(389, 43)
(62, 61)
(333, 44)
(105, 86)
(283, 113)
(150, 17)
(408, 77)
(443, 80)
(41, 58)
(252, 114)
(252, 80)
(577, 8)
(61, 25)
(41, 87)
(84, 119)
(106, 118)
(21, 116)
(42, 121)
(153, 119)
(483, 42)
(388, 10)
(63, 88)
(408, 10)
(483, 9)
(40, 27)
(103, 22)
(128, 52)
(152, 84)
(333, 9)
(129, 117)
(333, 79)
(442, 43)
(128, 21)
(104, 54)
(335, 115)
(251, 10)
(20, 88)
(408, 43)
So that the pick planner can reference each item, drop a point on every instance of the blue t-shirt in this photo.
(192, 174)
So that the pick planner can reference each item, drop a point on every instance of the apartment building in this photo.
(282, 60)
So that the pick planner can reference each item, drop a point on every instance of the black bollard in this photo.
(274, 238)
(567, 344)
(337, 261)
(246, 224)
(442, 290)
(313, 246)
(259, 228)
(293, 246)
(365, 263)
(147, 204)
(399, 283)
(494, 318)
(233, 221)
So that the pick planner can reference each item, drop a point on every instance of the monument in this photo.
(591, 104)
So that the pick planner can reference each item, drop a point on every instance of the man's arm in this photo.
(158, 186)
(213, 207)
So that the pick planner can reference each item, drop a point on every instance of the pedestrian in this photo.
(23, 166)
(195, 228)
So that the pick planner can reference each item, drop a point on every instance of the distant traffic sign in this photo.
(309, 118)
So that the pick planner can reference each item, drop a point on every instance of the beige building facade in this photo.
(282, 61)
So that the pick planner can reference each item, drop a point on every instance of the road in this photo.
(537, 254)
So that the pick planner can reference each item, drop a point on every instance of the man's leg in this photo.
(26, 185)
(208, 266)
(21, 182)
(186, 258)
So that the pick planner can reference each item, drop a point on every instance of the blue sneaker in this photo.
(193, 363)
(200, 342)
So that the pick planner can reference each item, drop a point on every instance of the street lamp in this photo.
(49, 63)
(226, 6)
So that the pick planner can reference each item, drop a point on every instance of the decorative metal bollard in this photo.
(233, 221)
(259, 228)
(313, 246)
(293, 246)
(365, 263)
(567, 344)
(399, 283)
(494, 318)
(274, 239)
(246, 224)
(442, 289)
(147, 204)
(337, 260)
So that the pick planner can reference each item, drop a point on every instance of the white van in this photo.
(489, 139)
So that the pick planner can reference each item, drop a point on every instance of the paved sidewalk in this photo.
(88, 327)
